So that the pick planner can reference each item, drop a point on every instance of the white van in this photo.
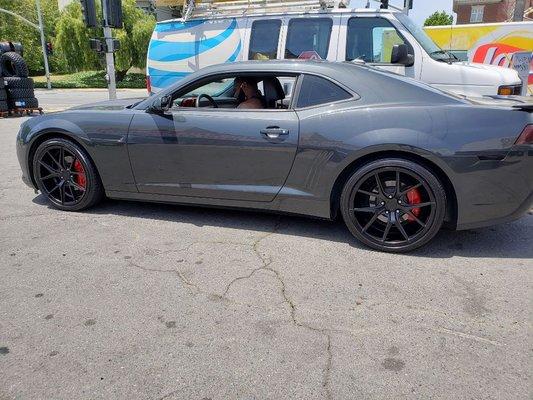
(387, 39)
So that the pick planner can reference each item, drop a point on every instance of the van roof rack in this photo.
(212, 8)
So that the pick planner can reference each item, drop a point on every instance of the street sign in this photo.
(521, 62)
(309, 55)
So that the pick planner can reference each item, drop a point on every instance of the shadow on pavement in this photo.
(512, 240)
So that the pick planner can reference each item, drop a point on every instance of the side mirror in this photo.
(400, 55)
(162, 103)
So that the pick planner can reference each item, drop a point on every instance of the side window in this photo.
(264, 39)
(308, 34)
(371, 40)
(316, 90)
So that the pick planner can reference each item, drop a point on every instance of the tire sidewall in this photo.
(430, 179)
(92, 180)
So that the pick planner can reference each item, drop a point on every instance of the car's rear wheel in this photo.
(66, 176)
(393, 205)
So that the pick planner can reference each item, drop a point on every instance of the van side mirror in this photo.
(162, 103)
(400, 55)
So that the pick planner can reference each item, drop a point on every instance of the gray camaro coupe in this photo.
(396, 158)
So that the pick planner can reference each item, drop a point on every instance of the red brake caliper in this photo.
(414, 197)
(80, 177)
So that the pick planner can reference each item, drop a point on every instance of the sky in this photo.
(421, 8)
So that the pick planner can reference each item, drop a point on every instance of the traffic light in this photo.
(49, 49)
(114, 13)
(384, 4)
(88, 12)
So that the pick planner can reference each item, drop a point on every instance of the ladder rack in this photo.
(210, 8)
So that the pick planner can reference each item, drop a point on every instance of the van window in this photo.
(264, 39)
(371, 40)
(316, 90)
(308, 34)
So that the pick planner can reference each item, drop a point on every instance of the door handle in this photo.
(274, 132)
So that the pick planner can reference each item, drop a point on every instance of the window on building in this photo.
(477, 14)
(264, 39)
(308, 34)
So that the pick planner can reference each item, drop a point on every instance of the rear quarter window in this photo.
(316, 90)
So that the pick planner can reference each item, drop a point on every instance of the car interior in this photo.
(275, 93)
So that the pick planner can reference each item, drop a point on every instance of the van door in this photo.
(371, 39)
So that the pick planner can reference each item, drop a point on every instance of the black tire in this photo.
(3, 95)
(12, 64)
(29, 102)
(3, 105)
(44, 168)
(384, 215)
(20, 93)
(14, 82)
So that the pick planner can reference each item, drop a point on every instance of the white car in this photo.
(387, 39)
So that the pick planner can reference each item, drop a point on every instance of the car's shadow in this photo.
(512, 240)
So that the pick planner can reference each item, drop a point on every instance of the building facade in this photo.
(490, 11)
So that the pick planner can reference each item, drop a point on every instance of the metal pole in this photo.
(43, 45)
(109, 58)
(519, 10)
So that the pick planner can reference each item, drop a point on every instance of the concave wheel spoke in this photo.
(49, 176)
(59, 167)
(365, 209)
(62, 157)
(48, 167)
(371, 221)
(62, 193)
(387, 229)
(398, 225)
(419, 205)
(409, 213)
(372, 194)
(76, 186)
(380, 185)
(71, 194)
(397, 189)
(56, 187)
(404, 192)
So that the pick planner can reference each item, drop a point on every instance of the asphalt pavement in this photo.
(146, 301)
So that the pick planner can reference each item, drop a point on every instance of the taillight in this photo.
(510, 90)
(148, 84)
(526, 137)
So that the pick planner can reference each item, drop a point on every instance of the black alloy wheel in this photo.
(393, 205)
(66, 176)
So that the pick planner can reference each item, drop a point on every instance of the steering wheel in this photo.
(211, 100)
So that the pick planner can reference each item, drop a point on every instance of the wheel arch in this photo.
(450, 218)
(54, 134)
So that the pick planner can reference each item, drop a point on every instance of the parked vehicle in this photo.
(387, 39)
(395, 157)
(492, 44)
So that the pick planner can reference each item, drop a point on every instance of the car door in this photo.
(213, 153)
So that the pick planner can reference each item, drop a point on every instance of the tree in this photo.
(72, 39)
(439, 18)
(15, 30)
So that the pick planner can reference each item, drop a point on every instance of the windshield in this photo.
(425, 41)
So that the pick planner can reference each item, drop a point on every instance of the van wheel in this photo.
(393, 205)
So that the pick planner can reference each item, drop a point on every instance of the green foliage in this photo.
(70, 37)
(15, 30)
(439, 18)
(91, 79)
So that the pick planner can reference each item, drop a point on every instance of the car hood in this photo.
(506, 76)
(109, 105)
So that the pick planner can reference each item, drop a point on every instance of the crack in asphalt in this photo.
(266, 266)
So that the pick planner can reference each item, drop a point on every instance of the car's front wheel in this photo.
(393, 205)
(66, 176)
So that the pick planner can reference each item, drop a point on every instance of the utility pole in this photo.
(43, 44)
(109, 57)
(519, 9)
